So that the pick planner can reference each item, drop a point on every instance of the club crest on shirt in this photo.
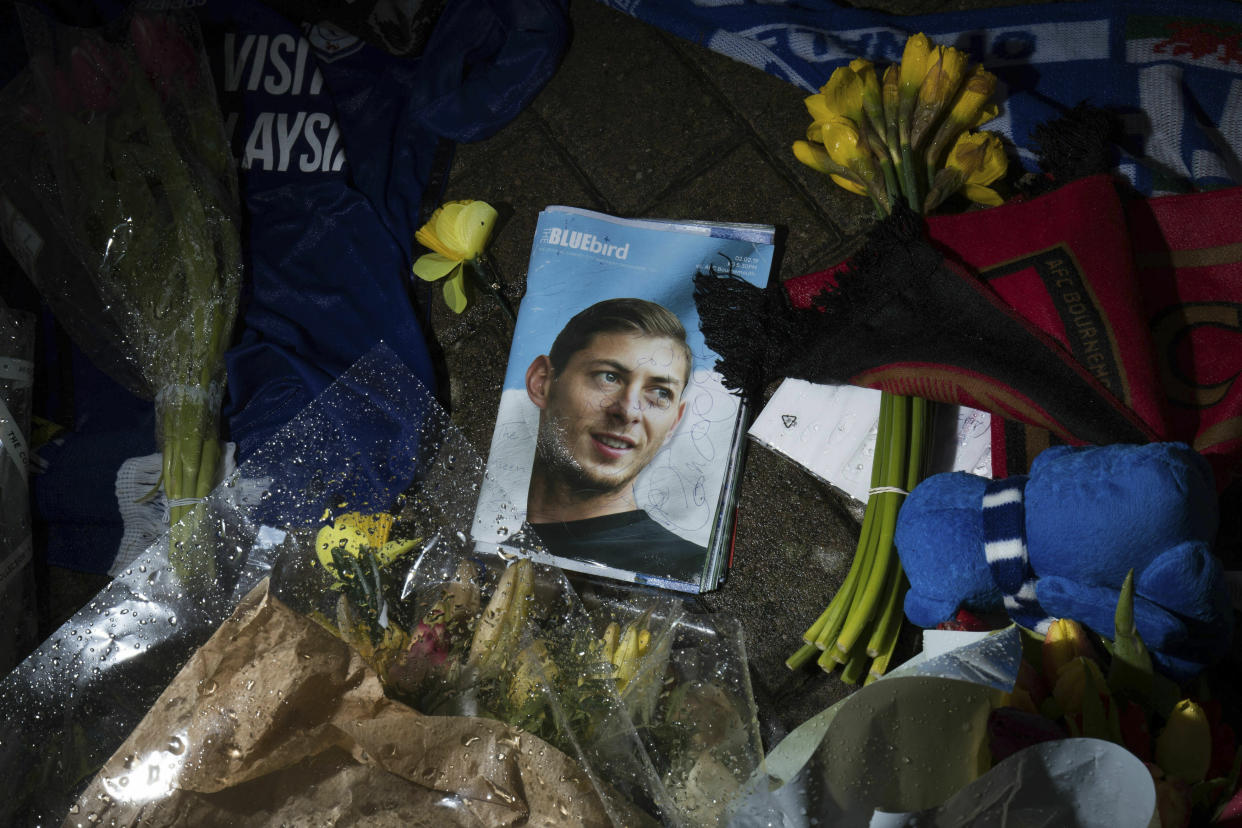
(331, 42)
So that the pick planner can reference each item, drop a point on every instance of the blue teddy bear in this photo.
(1057, 543)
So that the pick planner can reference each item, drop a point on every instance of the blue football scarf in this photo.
(1173, 71)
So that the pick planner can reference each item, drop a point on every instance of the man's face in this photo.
(611, 409)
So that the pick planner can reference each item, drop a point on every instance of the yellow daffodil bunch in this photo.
(908, 134)
(457, 234)
(889, 135)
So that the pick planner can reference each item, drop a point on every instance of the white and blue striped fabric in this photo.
(1004, 547)
(1173, 70)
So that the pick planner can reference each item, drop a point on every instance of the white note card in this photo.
(830, 430)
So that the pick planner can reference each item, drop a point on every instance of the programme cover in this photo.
(639, 443)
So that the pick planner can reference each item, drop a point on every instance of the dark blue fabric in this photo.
(329, 219)
(330, 244)
(1170, 68)
(74, 499)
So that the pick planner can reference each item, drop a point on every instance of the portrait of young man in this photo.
(610, 393)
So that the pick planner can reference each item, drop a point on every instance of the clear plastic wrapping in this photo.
(123, 181)
(352, 523)
(18, 610)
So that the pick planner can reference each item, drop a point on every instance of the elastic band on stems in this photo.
(887, 490)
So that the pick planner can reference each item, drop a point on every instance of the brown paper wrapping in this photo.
(276, 722)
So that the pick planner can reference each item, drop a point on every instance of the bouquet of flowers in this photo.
(905, 135)
(654, 702)
(1069, 685)
(134, 176)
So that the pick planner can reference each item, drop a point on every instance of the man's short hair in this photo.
(627, 315)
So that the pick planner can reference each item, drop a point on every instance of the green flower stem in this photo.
(891, 446)
(886, 619)
(190, 424)
(864, 556)
(884, 641)
(910, 180)
(485, 279)
(854, 665)
(804, 654)
(890, 181)
(823, 633)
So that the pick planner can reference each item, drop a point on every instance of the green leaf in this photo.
(1130, 672)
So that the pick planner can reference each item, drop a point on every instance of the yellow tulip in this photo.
(915, 61)
(979, 157)
(1073, 683)
(456, 233)
(1184, 746)
(1065, 641)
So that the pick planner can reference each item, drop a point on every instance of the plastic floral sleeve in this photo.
(138, 183)
(18, 612)
(373, 445)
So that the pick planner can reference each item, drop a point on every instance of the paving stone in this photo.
(631, 114)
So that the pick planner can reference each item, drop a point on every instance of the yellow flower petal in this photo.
(817, 107)
(843, 93)
(914, 62)
(446, 228)
(972, 100)
(432, 266)
(979, 156)
(845, 183)
(430, 239)
(842, 141)
(944, 75)
(352, 531)
(458, 229)
(392, 550)
(813, 156)
(985, 114)
(455, 292)
(982, 195)
(475, 225)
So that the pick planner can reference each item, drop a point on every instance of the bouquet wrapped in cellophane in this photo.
(353, 653)
(119, 168)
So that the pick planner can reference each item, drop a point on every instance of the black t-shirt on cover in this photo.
(629, 540)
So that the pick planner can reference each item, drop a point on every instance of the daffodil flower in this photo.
(980, 157)
(351, 532)
(940, 85)
(915, 61)
(816, 157)
(970, 110)
(976, 161)
(841, 96)
(456, 234)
